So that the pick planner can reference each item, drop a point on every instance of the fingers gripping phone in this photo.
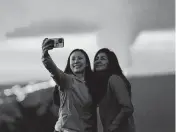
(58, 42)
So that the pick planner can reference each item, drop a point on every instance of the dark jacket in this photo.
(77, 111)
(116, 108)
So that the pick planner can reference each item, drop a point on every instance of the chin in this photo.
(77, 71)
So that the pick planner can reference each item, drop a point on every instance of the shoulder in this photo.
(74, 78)
(66, 81)
(67, 76)
(115, 78)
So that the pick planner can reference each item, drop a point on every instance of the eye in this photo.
(80, 58)
(103, 58)
(96, 58)
(73, 58)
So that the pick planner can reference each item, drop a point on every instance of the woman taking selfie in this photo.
(113, 93)
(77, 111)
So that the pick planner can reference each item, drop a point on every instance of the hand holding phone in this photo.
(58, 42)
(49, 44)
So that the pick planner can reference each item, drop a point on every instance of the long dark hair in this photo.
(113, 68)
(88, 71)
(88, 75)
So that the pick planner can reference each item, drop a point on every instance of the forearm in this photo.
(49, 64)
(55, 72)
(58, 75)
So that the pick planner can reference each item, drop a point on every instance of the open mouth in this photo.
(77, 66)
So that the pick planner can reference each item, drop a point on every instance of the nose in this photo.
(97, 61)
(76, 60)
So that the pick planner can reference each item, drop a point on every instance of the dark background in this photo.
(153, 99)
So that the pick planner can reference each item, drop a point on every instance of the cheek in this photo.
(83, 63)
(94, 63)
(106, 62)
(71, 64)
(105, 66)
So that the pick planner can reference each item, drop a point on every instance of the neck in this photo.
(80, 75)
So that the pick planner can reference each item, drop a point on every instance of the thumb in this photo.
(45, 40)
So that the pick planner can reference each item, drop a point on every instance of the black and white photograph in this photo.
(87, 66)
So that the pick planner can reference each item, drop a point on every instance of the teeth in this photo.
(76, 66)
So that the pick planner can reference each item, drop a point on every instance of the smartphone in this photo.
(58, 42)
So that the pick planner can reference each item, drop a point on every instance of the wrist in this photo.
(45, 53)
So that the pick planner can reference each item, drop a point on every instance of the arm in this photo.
(120, 90)
(58, 75)
(51, 67)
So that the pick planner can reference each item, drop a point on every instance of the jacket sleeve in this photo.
(56, 96)
(58, 75)
(119, 88)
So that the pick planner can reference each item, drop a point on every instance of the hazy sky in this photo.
(150, 54)
(109, 23)
(21, 58)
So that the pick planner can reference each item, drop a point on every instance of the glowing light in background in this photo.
(22, 92)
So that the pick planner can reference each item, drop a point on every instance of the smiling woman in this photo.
(75, 84)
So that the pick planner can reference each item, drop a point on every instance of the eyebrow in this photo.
(104, 57)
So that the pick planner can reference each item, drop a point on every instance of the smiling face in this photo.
(77, 62)
(101, 62)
